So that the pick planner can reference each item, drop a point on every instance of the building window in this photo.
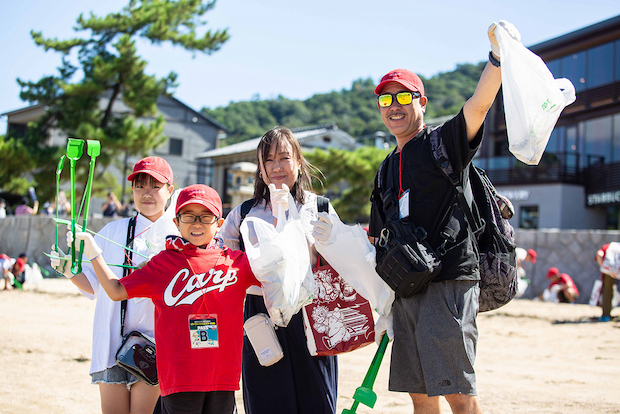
(573, 67)
(598, 140)
(617, 61)
(238, 181)
(600, 65)
(528, 217)
(616, 138)
(175, 146)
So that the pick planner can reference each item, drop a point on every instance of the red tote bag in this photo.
(339, 319)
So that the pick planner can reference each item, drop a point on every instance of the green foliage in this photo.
(349, 176)
(14, 163)
(111, 68)
(354, 110)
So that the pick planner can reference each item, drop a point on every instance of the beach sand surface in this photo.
(533, 357)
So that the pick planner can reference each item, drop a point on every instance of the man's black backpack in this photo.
(495, 235)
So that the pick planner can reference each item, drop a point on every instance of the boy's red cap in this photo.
(553, 271)
(405, 77)
(156, 167)
(200, 194)
(532, 254)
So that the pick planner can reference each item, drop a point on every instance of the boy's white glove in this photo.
(510, 29)
(322, 228)
(59, 262)
(385, 324)
(91, 249)
(278, 198)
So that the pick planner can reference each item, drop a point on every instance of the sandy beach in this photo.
(533, 357)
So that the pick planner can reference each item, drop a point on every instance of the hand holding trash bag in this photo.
(322, 228)
(384, 325)
(510, 29)
(279, 198)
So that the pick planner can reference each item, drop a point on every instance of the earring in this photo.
(299, 172)
(260, 175)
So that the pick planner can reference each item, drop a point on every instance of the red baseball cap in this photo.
(532, 254)
(200, 194)
(405, 77)
(156, 167)
(553, 271)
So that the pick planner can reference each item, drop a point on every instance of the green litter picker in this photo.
(365, 394)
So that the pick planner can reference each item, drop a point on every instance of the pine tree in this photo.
(112, 68)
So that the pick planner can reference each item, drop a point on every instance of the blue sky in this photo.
(297, 48)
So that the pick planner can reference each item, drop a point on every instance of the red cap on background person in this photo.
(156, 167)
(553, 271)
(202, 195)
(532, 254)
(405, 77)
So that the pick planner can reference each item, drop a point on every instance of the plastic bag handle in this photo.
(568, 90)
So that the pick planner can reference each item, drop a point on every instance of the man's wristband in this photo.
(494, 61)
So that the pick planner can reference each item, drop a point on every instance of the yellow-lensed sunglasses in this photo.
(404, 98)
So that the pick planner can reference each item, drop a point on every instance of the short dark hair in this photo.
(22, 255)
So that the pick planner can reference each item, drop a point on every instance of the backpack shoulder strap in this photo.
(246, 206)
(442, 162)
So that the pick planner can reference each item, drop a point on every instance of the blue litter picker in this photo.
(365, 394)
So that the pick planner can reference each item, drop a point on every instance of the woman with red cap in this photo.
(122, 392)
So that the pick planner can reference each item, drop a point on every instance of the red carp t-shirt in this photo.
(184, 280)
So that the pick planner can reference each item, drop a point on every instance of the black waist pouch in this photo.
(405, 260)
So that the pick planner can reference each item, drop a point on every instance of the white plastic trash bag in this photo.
(611, 262)
(280, 260)
(350, 253)
(533, 99)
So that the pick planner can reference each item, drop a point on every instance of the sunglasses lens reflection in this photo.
(404, 98)
(385, 100)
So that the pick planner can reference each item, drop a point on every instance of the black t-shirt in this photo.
(431, 195)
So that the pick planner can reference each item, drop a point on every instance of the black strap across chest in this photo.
(131, 231)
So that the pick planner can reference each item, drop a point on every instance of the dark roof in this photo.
(202, 115)
(597, 33)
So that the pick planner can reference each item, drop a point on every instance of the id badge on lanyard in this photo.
(203, 331)
(403, 204)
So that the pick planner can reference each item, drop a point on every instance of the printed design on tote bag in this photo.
(338, 324)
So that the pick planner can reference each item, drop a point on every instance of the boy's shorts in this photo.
(435, 337)
(212, 402)
(114, 375)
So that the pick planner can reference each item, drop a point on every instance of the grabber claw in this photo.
(93, 149)
(365, 394)
(75, 148)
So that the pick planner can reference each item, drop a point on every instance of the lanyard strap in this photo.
(131, 230)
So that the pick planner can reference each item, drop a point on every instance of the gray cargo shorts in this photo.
(435, 337)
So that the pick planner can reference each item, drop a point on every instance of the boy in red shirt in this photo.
(196, 285)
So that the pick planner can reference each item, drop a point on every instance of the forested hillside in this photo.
(354, 110)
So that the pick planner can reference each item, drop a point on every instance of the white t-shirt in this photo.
(230, 233)
(107, 322)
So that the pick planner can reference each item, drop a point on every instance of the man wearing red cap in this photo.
(435, 333)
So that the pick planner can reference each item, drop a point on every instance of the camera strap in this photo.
(131, 230)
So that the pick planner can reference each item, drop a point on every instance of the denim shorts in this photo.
(114, 375)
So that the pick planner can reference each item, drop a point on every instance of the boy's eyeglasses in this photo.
(404, 98)
(191, 218)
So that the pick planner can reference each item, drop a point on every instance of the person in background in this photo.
(19, 270)
(112, 206)
(299, 383)
(23, 209)
(63, 205)
(2, 208)
(6, 263)
(561, 287)
(435, 332)
(122, 392)
(524, 256)
(608, 285)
